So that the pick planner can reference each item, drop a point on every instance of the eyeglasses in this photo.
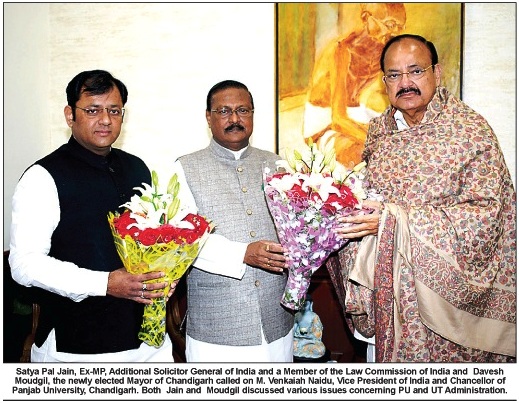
(94, 112)
(226, 112)
(414, 74)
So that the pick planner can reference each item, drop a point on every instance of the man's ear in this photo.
(208, 118)
(437, 74)
(385, 85)
(69, 115)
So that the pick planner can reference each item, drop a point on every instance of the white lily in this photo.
(323, 185)
(340, 173)
(137, 204)
(284, 183)
(318, 165)
(289, 163)
(151, 220)
(154, 207)
(355, 184)
(329, 154)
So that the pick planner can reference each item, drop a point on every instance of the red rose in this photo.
(188, 235)
(332, 198)
(149, 236)
(199, 223)
(121, 224)
(165, 233)
(279, 175)
(297, 192)
(347, 197)
(169, 233)
(344, 199)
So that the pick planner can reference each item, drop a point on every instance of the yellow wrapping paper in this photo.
(171, 258)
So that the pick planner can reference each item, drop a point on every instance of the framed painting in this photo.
(328, 72)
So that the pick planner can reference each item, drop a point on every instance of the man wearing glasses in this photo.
(442, 283)
(61, 243)
(235, 315)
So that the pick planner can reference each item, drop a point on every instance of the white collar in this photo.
(400, 120)
(237, 154)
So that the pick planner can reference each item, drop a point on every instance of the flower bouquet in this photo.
(305, 194)
(155, 233)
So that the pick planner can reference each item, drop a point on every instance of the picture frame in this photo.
(329, 81)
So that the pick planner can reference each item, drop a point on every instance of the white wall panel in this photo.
(489, 70)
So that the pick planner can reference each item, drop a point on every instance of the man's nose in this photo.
(234, 117)
(405, 78)
(105, 117)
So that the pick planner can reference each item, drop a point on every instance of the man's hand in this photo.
(358, 226)
(122, 284)
(266, 255)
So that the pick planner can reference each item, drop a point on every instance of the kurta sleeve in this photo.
(219, 255)
(35, 216)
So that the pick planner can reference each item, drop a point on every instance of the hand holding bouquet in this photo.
(155, 233)
(306, 193)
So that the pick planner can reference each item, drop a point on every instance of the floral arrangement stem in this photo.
(153, 327)
(298, 282)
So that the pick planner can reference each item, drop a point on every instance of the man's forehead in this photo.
(113, 95)
(231, 93)
(410, 45)
(406, 55)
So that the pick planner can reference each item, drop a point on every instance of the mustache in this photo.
(234, 126)
(407, 90)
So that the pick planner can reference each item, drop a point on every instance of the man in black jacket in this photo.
(61, 243)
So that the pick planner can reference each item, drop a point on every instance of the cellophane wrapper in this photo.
(171, 258)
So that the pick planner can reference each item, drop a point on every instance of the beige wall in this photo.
(489, 70)
(169, 55)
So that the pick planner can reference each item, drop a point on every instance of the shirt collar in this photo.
(226, 153)
(238, 154)
(400, 120)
